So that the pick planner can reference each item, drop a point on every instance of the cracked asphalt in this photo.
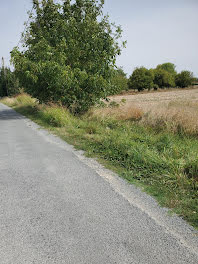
(57, 206)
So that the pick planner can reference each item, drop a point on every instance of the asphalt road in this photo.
(56, 206)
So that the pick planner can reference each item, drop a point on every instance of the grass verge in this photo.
(162, 163)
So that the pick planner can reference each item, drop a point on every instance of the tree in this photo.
(184, 79)
(168, 66)
(163, 78)
(70, 49)
(141, 79)
(119, 81)
(3, 83)
(9, 84)
(195, 81)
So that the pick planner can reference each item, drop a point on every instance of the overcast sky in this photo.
(156, 31)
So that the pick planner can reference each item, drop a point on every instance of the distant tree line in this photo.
(163, 76)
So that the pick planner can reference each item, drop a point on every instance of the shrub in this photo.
(191, 169)
(184, 79)
(141, 79)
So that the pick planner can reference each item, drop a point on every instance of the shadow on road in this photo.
(9, 114)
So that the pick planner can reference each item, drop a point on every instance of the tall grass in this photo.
(179, 117)
(176, 117)
(161, 160)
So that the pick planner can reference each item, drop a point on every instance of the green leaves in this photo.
(9, 84)
(141, 79)
(70, 52)
(184, 79)
(163, 78)
(168, 67)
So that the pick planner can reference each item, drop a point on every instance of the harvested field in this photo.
(174, 110)
(147, 100)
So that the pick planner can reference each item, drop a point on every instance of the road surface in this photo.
(57, 206)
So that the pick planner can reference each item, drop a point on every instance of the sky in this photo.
(156, 31)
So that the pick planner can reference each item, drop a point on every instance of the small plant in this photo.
(191, 169)
(101, 104)
(113, 104)
(91, 129)
(123, 101)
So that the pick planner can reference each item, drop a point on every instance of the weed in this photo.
(113, 104)
(191, 169)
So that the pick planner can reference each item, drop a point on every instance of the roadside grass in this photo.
(163, 163)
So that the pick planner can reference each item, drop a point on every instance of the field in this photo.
(175, 110)
(149, 100)
(150, 139)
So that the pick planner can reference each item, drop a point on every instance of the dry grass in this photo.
(176, 116)
(124, 112)
(147, 100)
(175, 110)
(20, 99)
(8, 101)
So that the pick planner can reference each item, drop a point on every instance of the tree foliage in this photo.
(163, 78)
(9, 84)
(184, 79)
(119, 81)
(168, 67)
(69, 52)
(141, 79)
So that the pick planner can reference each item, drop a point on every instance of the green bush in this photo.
(141, 79)
(184, 79)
